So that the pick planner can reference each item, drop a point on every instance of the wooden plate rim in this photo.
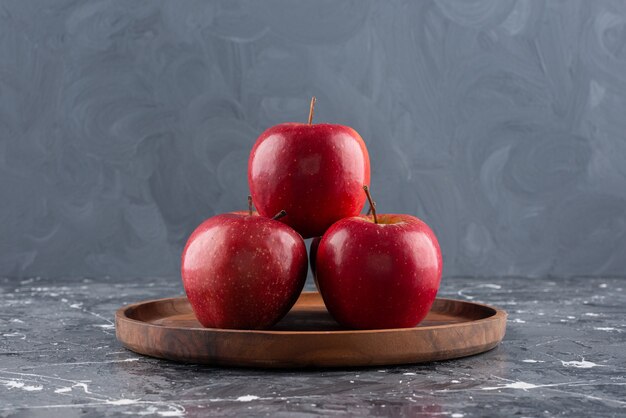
(497, 316)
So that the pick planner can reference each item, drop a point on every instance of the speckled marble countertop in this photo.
(564, 354)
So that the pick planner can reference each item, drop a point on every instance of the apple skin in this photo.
(315, 172)
(374, 276)
(243, 272)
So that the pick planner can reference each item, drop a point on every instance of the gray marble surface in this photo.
(564, 354)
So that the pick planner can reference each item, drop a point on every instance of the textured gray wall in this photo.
(501, 123)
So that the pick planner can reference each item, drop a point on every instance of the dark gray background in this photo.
(500, 123)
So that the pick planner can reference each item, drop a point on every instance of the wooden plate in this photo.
(308, 336)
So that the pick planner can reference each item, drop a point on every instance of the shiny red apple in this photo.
(313, 171)
(243, 271)
(379, 272)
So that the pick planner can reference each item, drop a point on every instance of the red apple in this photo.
(243, 271)
(313, 171)
(379, 272)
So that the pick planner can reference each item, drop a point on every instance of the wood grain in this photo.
(308, 336)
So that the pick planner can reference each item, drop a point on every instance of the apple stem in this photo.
(372, 204)
(280, 215)
(311, 109)
(369, 211)
(249, 205)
